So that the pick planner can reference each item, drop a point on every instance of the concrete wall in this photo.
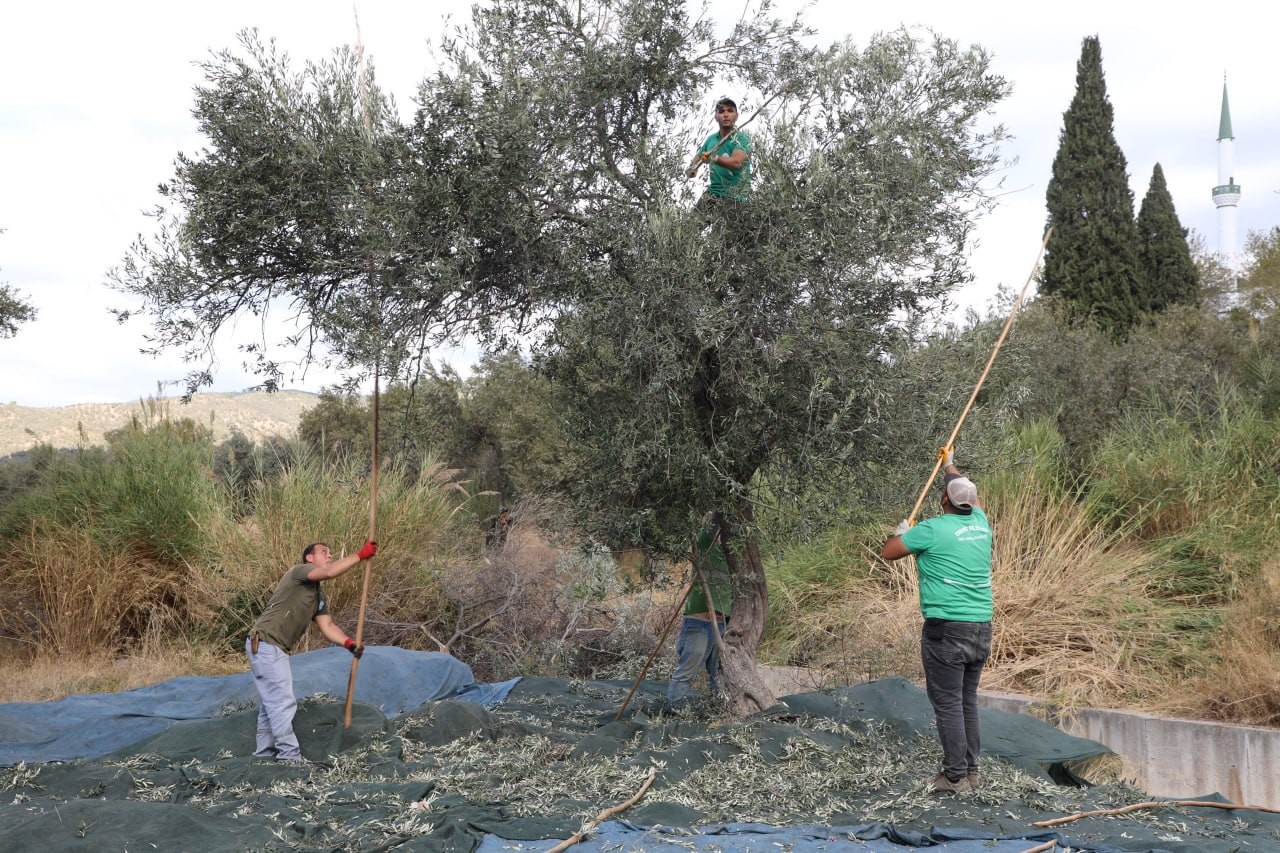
(1169, 757)
(1182, 759)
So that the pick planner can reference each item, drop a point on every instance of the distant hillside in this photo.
(257, 414)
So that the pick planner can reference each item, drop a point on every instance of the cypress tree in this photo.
(1092, 259)
(1167, 274)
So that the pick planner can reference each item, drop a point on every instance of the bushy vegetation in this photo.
(1133, 487)
(1080, 615)
(97, 551)
(165, 545)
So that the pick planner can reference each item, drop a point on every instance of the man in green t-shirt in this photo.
(953, 560)
(727, 152)
(696, 647)
(295, 604)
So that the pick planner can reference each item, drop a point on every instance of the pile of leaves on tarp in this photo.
(839, 769)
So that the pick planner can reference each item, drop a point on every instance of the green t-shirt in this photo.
(295, 602)
(710, 557)
(953, 558)
(726, 182)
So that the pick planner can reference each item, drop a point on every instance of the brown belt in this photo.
(253, 642)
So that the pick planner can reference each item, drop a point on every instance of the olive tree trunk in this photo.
(745, 690)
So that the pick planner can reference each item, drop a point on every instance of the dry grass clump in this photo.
(861, 634)
(541, 600)
(1075, 620)
(1079, 618)
(1244, 684)
(76, 597)
(46, 678)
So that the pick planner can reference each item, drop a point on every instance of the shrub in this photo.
(313, 500)
(97, 552)
(1078, 614)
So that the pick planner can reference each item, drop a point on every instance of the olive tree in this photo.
(14, 310)
(703, 358)
(710, 357)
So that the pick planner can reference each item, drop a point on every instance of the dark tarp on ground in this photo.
(397, 781)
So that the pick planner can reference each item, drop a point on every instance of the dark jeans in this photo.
(953, 654)
(697, 650)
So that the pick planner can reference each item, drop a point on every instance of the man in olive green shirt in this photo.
(295, 604)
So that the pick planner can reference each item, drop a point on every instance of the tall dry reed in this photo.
(1079, 615)
(313, 500)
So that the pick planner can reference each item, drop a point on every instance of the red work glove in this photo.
(368, 549)
(351, 646)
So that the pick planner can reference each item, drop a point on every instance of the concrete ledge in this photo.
(1170, 757)
(1164, 756)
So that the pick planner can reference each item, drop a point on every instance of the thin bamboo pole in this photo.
(373, 407)
(1004, 333)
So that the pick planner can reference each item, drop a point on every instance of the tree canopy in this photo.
(541, 190)
(1092, 260)
(1168, 275)
(14, 310)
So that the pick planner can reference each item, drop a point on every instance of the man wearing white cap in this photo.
(953, 559)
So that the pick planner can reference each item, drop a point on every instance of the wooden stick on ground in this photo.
(1042, 848)
(1150, 805)
(603, 816)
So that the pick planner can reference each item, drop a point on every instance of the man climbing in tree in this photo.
(727, 152)
(953, 558)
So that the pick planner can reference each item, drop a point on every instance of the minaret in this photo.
(1227, 194)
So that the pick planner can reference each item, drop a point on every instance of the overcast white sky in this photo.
(96, 103)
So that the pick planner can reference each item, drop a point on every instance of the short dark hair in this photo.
(726, 101)
(306, 552)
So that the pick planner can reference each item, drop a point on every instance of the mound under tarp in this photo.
(390, 679)
(522, 766)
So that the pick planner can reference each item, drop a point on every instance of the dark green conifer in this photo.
(1167, 275)
(1092, 259)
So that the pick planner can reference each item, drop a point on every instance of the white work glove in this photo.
(948, 455)
(903, 527)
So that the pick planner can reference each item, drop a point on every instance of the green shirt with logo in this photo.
(726, 182)
(953, 559)
(710, 558)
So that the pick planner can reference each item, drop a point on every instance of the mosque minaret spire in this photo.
(1226, 195)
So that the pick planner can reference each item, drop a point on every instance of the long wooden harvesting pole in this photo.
(1004, 333)
(661, 642)
(373, 409)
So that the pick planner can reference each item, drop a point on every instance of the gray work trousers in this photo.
(273, 677)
